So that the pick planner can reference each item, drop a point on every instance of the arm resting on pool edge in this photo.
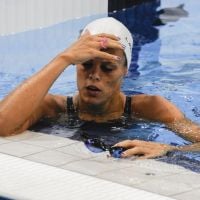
(152, 149)
(156, 108)
(184, 127)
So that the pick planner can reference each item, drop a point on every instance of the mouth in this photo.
(93, 90)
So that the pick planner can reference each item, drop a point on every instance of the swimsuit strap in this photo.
(70, 105)
(71, 109)
(127, 108)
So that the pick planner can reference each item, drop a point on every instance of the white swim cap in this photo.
(112, 26)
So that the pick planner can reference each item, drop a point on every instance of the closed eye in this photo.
(107, 67)
(88, 65)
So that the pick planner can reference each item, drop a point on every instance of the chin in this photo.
(95, 101)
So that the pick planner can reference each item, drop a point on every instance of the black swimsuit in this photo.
(94, 129)
(71, 108)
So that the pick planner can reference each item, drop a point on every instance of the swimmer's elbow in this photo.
(4, 129)
(3, 132)
(1, 126)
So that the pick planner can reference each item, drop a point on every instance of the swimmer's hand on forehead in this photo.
(89, 47)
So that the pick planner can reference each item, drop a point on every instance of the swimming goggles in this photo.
(96, 145)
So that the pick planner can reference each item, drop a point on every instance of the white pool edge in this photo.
(23, 179)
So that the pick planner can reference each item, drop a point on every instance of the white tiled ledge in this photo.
(23, 179)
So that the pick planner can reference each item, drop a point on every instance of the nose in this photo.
(94, 77)
(95, 73)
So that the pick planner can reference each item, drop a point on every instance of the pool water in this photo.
(166, 59)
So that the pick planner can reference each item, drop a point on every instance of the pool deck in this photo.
(70, 158)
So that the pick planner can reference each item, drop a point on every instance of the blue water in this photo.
(166, 59)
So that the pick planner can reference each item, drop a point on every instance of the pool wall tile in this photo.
(53, 158)
(191, 195)
(164, 187)
(3, 141)
(77, 149)
(26, 135)
(19, 149)
(90, 167)
(49, 141)
(132, 175)
(191, 179)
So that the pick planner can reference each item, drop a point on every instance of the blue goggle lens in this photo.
(94, 145)
(116, 151)
(97, 146)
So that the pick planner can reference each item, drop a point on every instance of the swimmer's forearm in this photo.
(193, 147)
(186, 129)
(20, 104)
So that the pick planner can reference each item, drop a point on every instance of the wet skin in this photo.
(99, 83)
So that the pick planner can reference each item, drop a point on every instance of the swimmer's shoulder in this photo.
(144, 101)
(140, 104)
(155, 108)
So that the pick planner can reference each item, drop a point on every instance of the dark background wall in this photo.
(139, 17)
(120, 4)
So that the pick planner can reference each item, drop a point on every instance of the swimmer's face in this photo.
(99, 80)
